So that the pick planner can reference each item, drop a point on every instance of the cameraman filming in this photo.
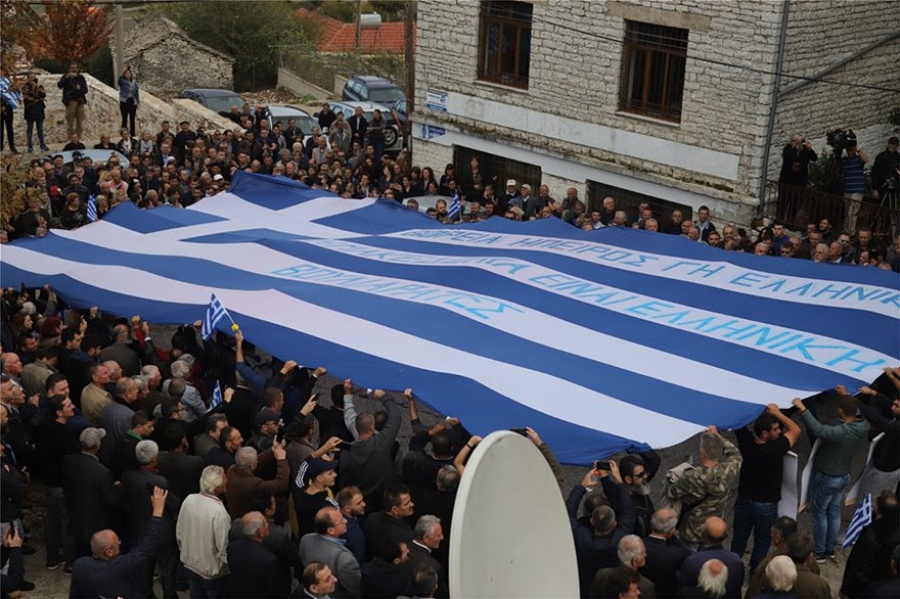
(796, 157)
(854, 180)
(886, 180)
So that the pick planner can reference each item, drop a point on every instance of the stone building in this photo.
(165, 60)
(659, 100)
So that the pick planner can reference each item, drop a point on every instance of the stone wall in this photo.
(824, 32)
(167, 68)
(574, 75)
(102, 114)
(300, 86)
(166, 61)
(716, 154)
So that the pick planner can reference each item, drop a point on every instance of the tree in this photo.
(18, 25)
(69, 31)
(250, 32)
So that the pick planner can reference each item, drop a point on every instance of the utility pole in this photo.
(358, 25)
(119, 62)
(410, 56)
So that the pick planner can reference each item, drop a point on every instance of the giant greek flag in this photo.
(599, 340)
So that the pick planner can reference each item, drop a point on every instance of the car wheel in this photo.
(390, 137)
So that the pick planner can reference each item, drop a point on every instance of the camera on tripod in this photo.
(840, 140)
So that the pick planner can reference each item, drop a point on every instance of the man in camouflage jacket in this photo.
(704, 490)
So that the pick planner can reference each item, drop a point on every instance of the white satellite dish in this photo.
(511, 534)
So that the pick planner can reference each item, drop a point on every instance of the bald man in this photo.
(109, 573)
(715, 532)
(255, 570)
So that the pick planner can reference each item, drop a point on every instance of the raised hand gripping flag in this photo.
(455, 211)
(862, 517)
(92, 209)
(215, 312)
(598, 340)
(216, 397)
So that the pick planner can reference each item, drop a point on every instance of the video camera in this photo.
(840, 140)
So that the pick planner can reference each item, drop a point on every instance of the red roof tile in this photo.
(341, 37)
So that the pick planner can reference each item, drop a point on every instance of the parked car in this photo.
(377, 90)
(393, 141)
(96, 156)
(284, 112)
(217, 100)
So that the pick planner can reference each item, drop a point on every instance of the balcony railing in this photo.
(798, 206)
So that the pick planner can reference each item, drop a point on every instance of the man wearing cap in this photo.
(243, 480)
(267, 422)
(91, 494)
(325, 545)
(510, 197)
(312, 488)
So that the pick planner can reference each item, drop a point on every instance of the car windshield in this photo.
(306, 123)
(385, 95)
(224, 103)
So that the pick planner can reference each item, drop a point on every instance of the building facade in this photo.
(670, 102)
(166, 60)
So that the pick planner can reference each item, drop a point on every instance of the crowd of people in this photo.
(285, 485)
(272, 490)
(180, 167)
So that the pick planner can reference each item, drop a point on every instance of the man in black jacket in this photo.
(56, 441)
(369, 463)
(665, 553)
(91, 495)
(883, 414)
(109, 573)
(74, 98)
(255, 570)
(135, 484)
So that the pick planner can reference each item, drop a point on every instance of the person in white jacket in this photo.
(202, 534)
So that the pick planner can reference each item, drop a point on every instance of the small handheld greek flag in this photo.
(455, 210)
(92, 209)
(214, 313)
(862, 517)
(216, 397)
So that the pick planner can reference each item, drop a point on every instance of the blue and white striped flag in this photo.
(92, 209)
(597, 339)
(216, 397)
(215, 312)
(455, 211)
(10, 97)
(862, 517)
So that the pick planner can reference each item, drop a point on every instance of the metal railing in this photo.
(798, 206)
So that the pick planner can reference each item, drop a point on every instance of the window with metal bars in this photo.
(504, 50)
(653, 64)
(495, 170)
(630, 201)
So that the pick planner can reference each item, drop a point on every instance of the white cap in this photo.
(218, 177)
(511, 182)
